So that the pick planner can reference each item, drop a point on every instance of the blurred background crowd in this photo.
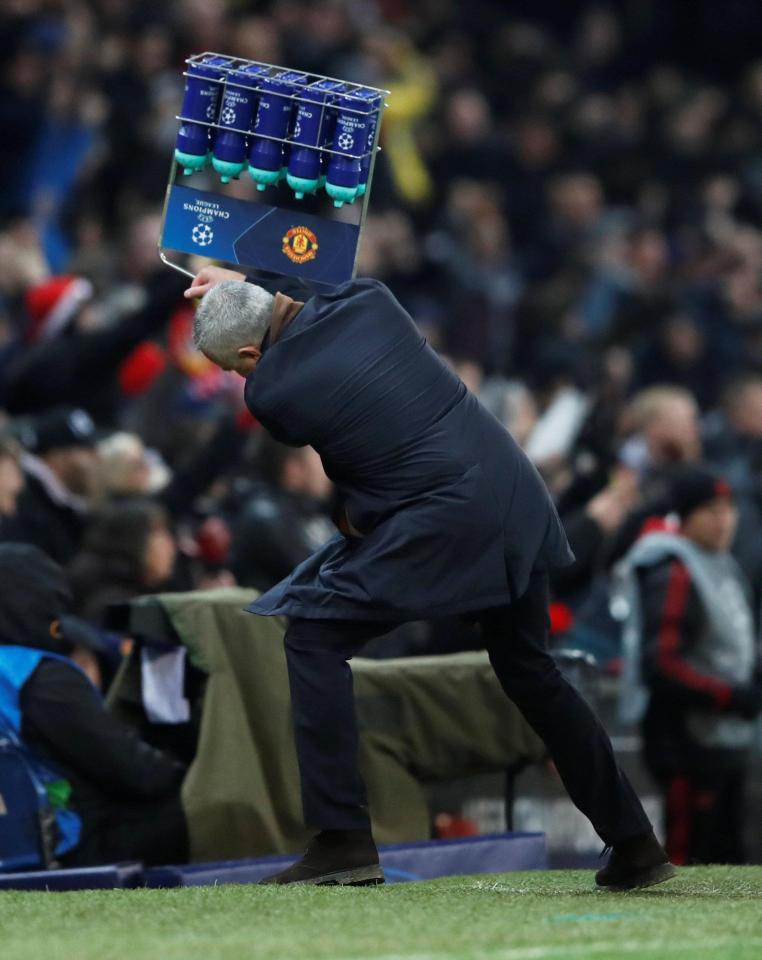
(567, 201)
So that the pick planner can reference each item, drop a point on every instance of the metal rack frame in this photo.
(237, 64)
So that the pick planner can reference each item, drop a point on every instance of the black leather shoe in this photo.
(638, 862)
(336, 858)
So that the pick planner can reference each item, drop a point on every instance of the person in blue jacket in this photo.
(116, 798)
(442, 514)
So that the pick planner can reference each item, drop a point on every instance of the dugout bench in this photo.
(422, 720)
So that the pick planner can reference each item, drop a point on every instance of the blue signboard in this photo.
(258, 235)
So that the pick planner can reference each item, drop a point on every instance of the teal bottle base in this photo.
(191, 162)
(227, 169)
(340, 195)
(301, 185)
(264, 178)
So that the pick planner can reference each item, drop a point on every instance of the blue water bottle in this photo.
(375, 101)
(349, 140)
(203, 85)
(237, 112)
(311, 117)
(273, 116)
(297, 82)
(326, 139)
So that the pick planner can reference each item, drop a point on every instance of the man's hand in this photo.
(609, 507)
(209, 277)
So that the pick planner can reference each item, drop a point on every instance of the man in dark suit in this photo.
(442, 515)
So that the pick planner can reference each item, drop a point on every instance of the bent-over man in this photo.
(442, 515)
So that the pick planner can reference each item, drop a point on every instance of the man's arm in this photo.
(62, 710)
(63, 371)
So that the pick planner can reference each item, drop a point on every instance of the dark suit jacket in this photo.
(453, 516)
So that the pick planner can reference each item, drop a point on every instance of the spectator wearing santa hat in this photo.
(71, 358)
(54, 304)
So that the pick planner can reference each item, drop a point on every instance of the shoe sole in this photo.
(647, 878)
(370, 876)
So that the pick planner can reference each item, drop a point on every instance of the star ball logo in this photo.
(300, 245)
(202, 234)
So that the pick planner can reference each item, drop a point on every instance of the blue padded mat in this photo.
(111, 877)
(496, 853)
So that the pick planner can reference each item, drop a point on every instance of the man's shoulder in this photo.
(358, 287)
(361, 298)
(361, 283)
(369, 296)
(35, 500)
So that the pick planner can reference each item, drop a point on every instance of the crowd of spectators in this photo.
(567, 201)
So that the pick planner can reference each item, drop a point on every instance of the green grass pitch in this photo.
(705, 913)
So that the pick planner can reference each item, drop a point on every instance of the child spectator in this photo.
(690, 634)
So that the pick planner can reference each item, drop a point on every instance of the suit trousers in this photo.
(516, 639)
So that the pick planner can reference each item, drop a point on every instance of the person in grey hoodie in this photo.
(691, 673)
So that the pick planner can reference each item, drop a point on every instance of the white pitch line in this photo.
(616, 946)
(567, 950)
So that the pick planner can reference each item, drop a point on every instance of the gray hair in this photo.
(231, 315)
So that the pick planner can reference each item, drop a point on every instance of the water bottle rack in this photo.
(312, 242)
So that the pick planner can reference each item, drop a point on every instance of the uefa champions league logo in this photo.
(228, 116)
(210, 111)
(297, 128)
(202, 234)
(346, 141)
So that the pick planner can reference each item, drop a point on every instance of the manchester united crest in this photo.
(300, 245)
